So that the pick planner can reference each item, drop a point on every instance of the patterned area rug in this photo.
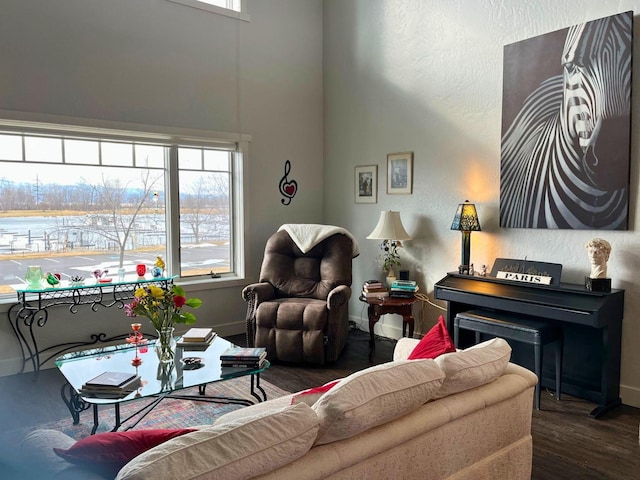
(169, 413)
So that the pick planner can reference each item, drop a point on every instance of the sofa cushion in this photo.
(31, 457)
(106, 453)
(257, 409)
(232, 450)
(435, 342)
(312, 395)
(475, 366)
(404, 347)
(375, 396)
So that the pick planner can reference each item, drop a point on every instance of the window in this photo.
(228, 4)
(205, 209)
(73, 203)
(230, 8)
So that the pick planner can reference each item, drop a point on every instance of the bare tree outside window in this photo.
(123, 211)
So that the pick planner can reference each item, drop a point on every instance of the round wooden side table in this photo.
(379, 306)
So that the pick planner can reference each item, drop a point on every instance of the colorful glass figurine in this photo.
(52, 279)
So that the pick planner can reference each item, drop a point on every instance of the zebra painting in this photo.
(566, 145)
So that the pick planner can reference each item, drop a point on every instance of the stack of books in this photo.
(111, 385)
(243, 358)
(197, 338)
(403, 288)
(374, 289)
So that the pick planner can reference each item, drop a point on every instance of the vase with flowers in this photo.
(390, 258)
(164, 308)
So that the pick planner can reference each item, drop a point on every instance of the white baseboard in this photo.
(630, 395)
(389, 326)
(10, 366)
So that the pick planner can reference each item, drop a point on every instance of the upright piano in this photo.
(591, 321)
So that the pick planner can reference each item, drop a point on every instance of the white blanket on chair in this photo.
(308, 235)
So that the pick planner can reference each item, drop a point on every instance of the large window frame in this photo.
(173, 140)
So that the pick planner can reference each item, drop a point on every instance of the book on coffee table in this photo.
(111, 385)
(238, 359)
(240, 368)
(244, 354)
(111, 379)
(198, 335)
(244, 363)
(197, 338)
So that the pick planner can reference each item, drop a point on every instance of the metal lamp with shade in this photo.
(466, 221)
(389, 229)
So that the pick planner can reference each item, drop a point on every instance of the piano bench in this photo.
(517, 328)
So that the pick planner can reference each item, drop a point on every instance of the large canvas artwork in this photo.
(566, 125)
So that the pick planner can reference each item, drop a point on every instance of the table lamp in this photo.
(390, 230)
(466, 221)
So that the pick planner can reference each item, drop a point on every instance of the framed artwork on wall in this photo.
(400, 173)
(566, 128)
(366, 184)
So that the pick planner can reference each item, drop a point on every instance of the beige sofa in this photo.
(465, 415)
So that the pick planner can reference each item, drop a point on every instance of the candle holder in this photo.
(141, 270)
(137, 339)
(142, 383)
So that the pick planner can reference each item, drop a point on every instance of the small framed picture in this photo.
(400, 173)
(366, 186)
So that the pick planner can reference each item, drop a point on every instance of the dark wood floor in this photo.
(567, 443)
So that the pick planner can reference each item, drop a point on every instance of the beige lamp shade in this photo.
(389, 227)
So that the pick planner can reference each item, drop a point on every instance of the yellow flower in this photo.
(156, 292)
(162, 306)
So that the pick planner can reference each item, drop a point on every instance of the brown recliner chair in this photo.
(299, 311)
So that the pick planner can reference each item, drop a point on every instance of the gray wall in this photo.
(426, 76)
(154, 62)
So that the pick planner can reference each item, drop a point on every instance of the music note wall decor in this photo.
(288, 188)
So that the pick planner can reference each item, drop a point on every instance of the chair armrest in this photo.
(259, 292)
(255, 294)
(338, 296)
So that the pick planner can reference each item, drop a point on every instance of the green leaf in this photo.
(193, 302)
(189, 318)
(178, 290)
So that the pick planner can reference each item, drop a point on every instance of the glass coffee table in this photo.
(194, 367)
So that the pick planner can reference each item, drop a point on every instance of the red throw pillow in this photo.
(311, 395)
(436, 342)
(107, 453)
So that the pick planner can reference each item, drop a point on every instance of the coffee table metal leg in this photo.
(96, 420)
(117, 419)
(73, 401)
(255, 384)
(146, 409)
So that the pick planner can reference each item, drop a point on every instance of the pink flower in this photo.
(128, 308)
